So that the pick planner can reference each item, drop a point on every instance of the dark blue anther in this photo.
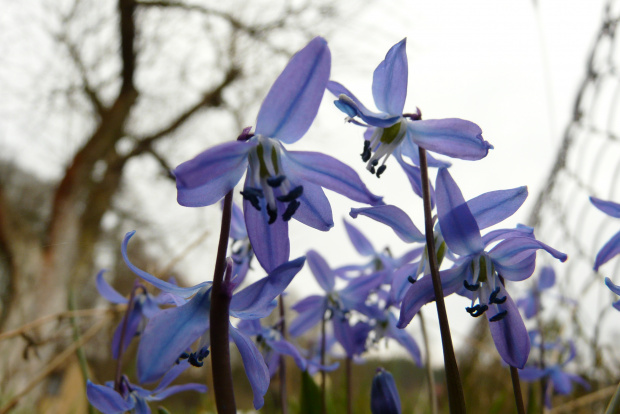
(494, 299)
(372, 170)
(499, 316)
(273, 214)
(193, 359)
(477, 310)
(294, 194)
(471, 288)
(411, 279)
(290, 210)
(366, 152)
(259, 338)
(380, 170)
(374, 163)
(276, 181)
(252, 195)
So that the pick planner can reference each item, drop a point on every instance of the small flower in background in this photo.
(614, 288)
(384, 397)
(612, 247)
(558, 381)
(132, 397)
(279, 184)
(393, 132)
(530, 303)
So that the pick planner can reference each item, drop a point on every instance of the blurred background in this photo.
(101, 99)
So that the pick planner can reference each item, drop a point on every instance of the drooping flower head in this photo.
(384, 398)
(279, 184)
(391, 131)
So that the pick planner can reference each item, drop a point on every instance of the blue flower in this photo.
(384, 398)
(614, 288)
(279, 184)
(477, 274)
(562, 382)
(612, 247)
(169, 334)
(392, 132)
(530, 303)
(132, 397)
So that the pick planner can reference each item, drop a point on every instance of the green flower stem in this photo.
(453, 379)
(219, 321)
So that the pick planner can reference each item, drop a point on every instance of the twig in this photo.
(60, 315)
(585, 400)
(54, 363)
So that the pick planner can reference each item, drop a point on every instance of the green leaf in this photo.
(310, 395)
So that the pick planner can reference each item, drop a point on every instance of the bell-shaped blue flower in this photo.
(384, 398)
(279, 184)
(392, 132)
(134, 398)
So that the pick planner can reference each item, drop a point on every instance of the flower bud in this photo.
(384, 397)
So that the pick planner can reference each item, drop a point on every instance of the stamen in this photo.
(294, 194)
(471, 288)
(252, 195)
(193, 359)
(290, 210)
(477, 310)
(411, 279)
(366, 152)
(380, 170)
(276, 181)
(273, 214)
(374, 163)
(494, 299)
(499, 316)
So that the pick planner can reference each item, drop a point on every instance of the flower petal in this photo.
(337, 89)
(308, 318)
(107, 291)
(531, 374)
(515, 249)
(323, 274)
(458, 225)
(608, 251)
(133, 322)
(286, 348)
(608, 207)
(329, 173)
(405, 339)
(314, 209)
(546, 278)
(400, 281)
(106, 400)
(389, 81)
(254, 301)
(453, 137)
(359, 241)
(344, 334)
(254, 365)
(393, 217)
(517, 271)
(509, 334)
(293, 101)
(270, 242)
(415, 179)
(169, 333)
(496, 206)
(158, 283)
(207, 178)
(237, 224)
(409, 149)
(192, 386)
(422, 292)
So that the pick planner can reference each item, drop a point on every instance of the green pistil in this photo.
(390, 133)
(261, 162)
(274, 159)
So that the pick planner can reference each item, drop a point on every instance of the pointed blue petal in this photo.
(402, 337)
(515, 249)
(389, 81)
(171, 375)
(323, 274)
(528, 305)
(344, 334)
(359, 241)
(107, 291)
(613, 287)
(393, 217)
(502, 234)
(158, 283)
(310, 302)
(106, 400)
(608, 207)
(415, 179)
(608, 251)
(308, 318)
(293, 101)
(133, 321)
(352, 107)
(337, 89)
(458, 225)
(360, 287)
(269, 241)
(409, 149)
(531, 374)
(254, 365)
(286, 348)
(314, 210)
(453, 137)
(176, 389)
(254, 301)
(237, 224)
(169, 333)
(496, 206)
(546, 279)
(509, 334)
(422, 292)
(329, 173)
(517, 271)
(400, 281)
(205, 179)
